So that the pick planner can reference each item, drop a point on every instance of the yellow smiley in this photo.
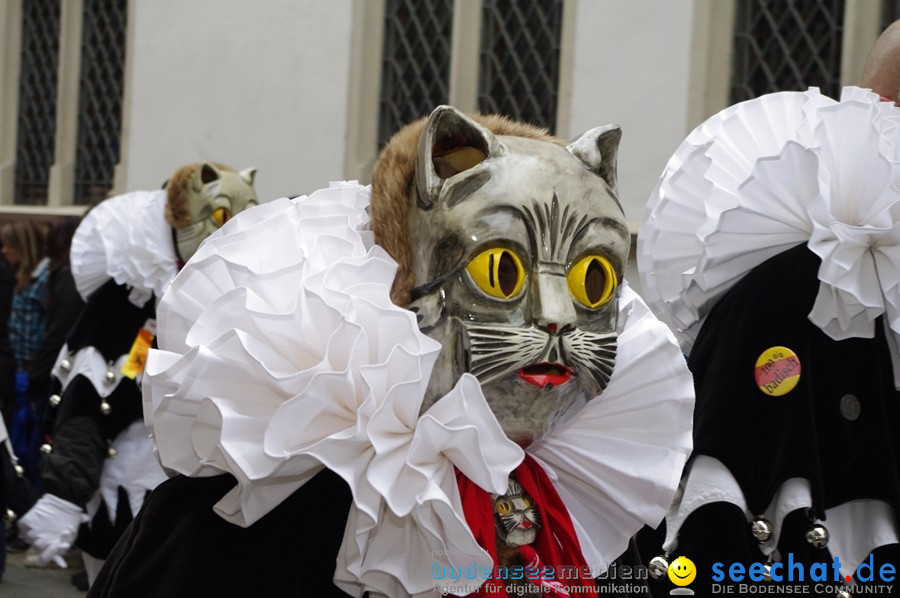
(682, 571)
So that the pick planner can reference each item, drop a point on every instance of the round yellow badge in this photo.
(777, 371)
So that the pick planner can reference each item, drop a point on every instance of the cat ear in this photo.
(451, 143)
(207, 173)
(248, 175)
(599, 150)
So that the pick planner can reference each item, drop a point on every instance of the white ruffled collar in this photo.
(765, 175)
(275, 363)
(125, 238)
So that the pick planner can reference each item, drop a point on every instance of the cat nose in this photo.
(553, 308)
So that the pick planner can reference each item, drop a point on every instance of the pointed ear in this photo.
(207, 173)
(599, 150)
(450, 143)
(248, 175)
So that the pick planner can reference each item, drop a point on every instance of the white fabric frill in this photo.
(133, 469)
(89, 363)
(617, 462)
(125, 238)
(281, 353)
(766, 175)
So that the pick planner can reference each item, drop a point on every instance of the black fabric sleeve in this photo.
(72, 470)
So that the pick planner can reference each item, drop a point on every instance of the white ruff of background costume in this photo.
(754, 180)
(281, 353)
(766, 175)
(125, 238)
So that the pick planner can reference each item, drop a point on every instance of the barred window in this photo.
(100, 98)
(890, 12)
(519, 70)
(416, 61)
(788, 45)
(36, 124)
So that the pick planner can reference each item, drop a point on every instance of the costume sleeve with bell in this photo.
(770, 246)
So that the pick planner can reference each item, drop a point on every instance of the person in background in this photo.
(63, 303)
(23, 248)
(881, 71)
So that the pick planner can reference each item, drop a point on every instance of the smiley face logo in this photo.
(682, 571)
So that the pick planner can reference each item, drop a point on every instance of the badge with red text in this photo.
(777, 371)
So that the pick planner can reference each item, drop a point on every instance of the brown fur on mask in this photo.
(391, 181)
(178, 188)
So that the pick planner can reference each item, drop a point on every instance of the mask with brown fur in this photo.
(201, 198)
(511, 247)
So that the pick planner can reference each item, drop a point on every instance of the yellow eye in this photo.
(527, 501)
(504, 507)
(498, 272)
(221, 215)
(592, 281)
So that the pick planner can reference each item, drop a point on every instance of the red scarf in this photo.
(556, 546)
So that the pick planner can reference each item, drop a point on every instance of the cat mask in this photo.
(201, 198)
(516, 249)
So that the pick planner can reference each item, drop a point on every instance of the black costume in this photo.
(770, 246)
(807, 433)
(87, 423)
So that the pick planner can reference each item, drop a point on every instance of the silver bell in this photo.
(659, 565)
(817, 535)
(111, 453)
(767, 568)
(761, 528)
(65, 365)
(10, 516)
(20, 471)
(844, 594)
(55, 400)
(110, 377)
(46, 449)
(104, 407)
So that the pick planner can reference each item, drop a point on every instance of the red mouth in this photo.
(546, 374)
(526, 525)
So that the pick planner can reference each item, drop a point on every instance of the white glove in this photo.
(50, 526)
